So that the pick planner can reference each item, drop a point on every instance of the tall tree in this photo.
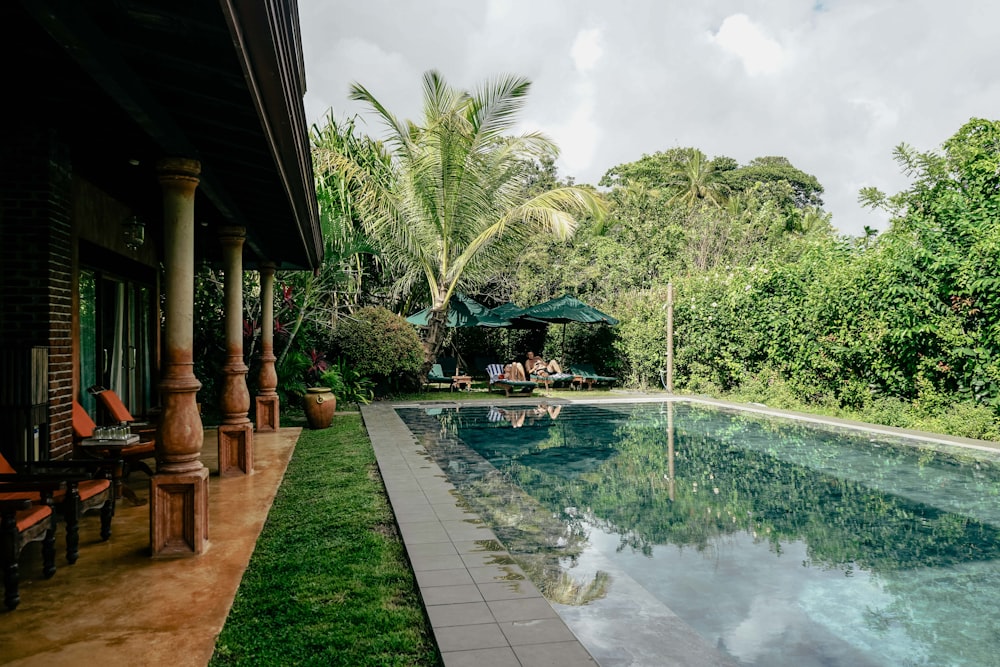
(450, 204)
(803, 189)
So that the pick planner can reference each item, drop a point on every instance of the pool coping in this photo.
(483, 610)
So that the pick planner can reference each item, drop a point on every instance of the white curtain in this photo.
(116, 372)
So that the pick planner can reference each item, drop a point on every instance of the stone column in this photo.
(179, 489)
(235, 431)
(268, 403)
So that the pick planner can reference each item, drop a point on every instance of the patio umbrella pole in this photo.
(563, 346)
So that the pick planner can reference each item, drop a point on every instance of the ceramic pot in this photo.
(320, 403)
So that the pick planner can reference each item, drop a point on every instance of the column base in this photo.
(235, 449)
(178, 513)
(268, 410)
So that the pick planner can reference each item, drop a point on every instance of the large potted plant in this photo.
(320, 399)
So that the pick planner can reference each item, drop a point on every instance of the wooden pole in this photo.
(670, 337)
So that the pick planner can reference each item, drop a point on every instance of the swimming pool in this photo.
(776, 541)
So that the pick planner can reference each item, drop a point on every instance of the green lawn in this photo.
(328, 582)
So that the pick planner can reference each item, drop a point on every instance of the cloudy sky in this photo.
(833, 85)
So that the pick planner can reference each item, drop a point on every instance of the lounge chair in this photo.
(586, 375)
(495, 371)
(549, 380)
(449, 365)
(437, 376)
(113, 458)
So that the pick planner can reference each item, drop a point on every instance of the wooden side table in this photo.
(110, 449)
(460, 381)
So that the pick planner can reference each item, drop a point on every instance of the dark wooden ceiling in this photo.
(127, 82)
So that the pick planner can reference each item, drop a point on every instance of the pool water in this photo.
(767, 541)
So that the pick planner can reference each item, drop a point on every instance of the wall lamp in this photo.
(133, 232)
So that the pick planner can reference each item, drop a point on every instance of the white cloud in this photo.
(577, 138)
(832, 88)
(587, 49)
(880, 112)
(743, 38)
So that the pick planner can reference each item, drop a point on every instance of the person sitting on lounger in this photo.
(537, 365)
(514, 371)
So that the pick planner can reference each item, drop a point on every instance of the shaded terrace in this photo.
(118, 606)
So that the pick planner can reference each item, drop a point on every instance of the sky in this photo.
(832, 85)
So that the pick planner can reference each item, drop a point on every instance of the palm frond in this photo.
(495, 105)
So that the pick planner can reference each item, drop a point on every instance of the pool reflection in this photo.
(723, 516)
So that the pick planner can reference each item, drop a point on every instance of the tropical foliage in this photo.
(772, 305)
(445, 201)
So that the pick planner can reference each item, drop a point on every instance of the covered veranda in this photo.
(144, 139)
(118, 606)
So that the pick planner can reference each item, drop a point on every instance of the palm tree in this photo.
(870, 233)
(448, 207)
(695, 181)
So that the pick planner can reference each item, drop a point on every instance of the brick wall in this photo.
(36, 264)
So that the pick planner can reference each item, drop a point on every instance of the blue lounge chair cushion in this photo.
(437, 375)
(590, 376)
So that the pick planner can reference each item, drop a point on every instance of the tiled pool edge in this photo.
(483, 611)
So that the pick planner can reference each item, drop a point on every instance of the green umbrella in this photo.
(512, 316)
(567, 308)
(462, 312)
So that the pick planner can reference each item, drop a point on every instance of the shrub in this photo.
(382, 346)
(292, 371)
(347, 384)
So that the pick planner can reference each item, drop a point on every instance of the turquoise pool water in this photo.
(776, 541)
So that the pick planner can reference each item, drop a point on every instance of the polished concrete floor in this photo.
(118, 606)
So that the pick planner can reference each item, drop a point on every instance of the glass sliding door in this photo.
(117, 339)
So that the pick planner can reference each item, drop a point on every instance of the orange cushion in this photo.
(115, 406)
(90, 488)
(6, 468)
(19, 495)
(142, 449)
(25, 519)
(83, 425)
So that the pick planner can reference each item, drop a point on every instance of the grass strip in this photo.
(328, 582)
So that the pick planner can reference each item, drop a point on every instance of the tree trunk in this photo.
(437, 331)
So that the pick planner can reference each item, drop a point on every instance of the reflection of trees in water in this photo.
(932, 564)
(542, 544)
(536, 538)
(722, 487)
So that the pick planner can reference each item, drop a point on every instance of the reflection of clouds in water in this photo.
(861, 610)
(757, 608)
(768, 619)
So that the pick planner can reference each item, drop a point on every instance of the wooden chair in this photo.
(22, 522)
(81, 487)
